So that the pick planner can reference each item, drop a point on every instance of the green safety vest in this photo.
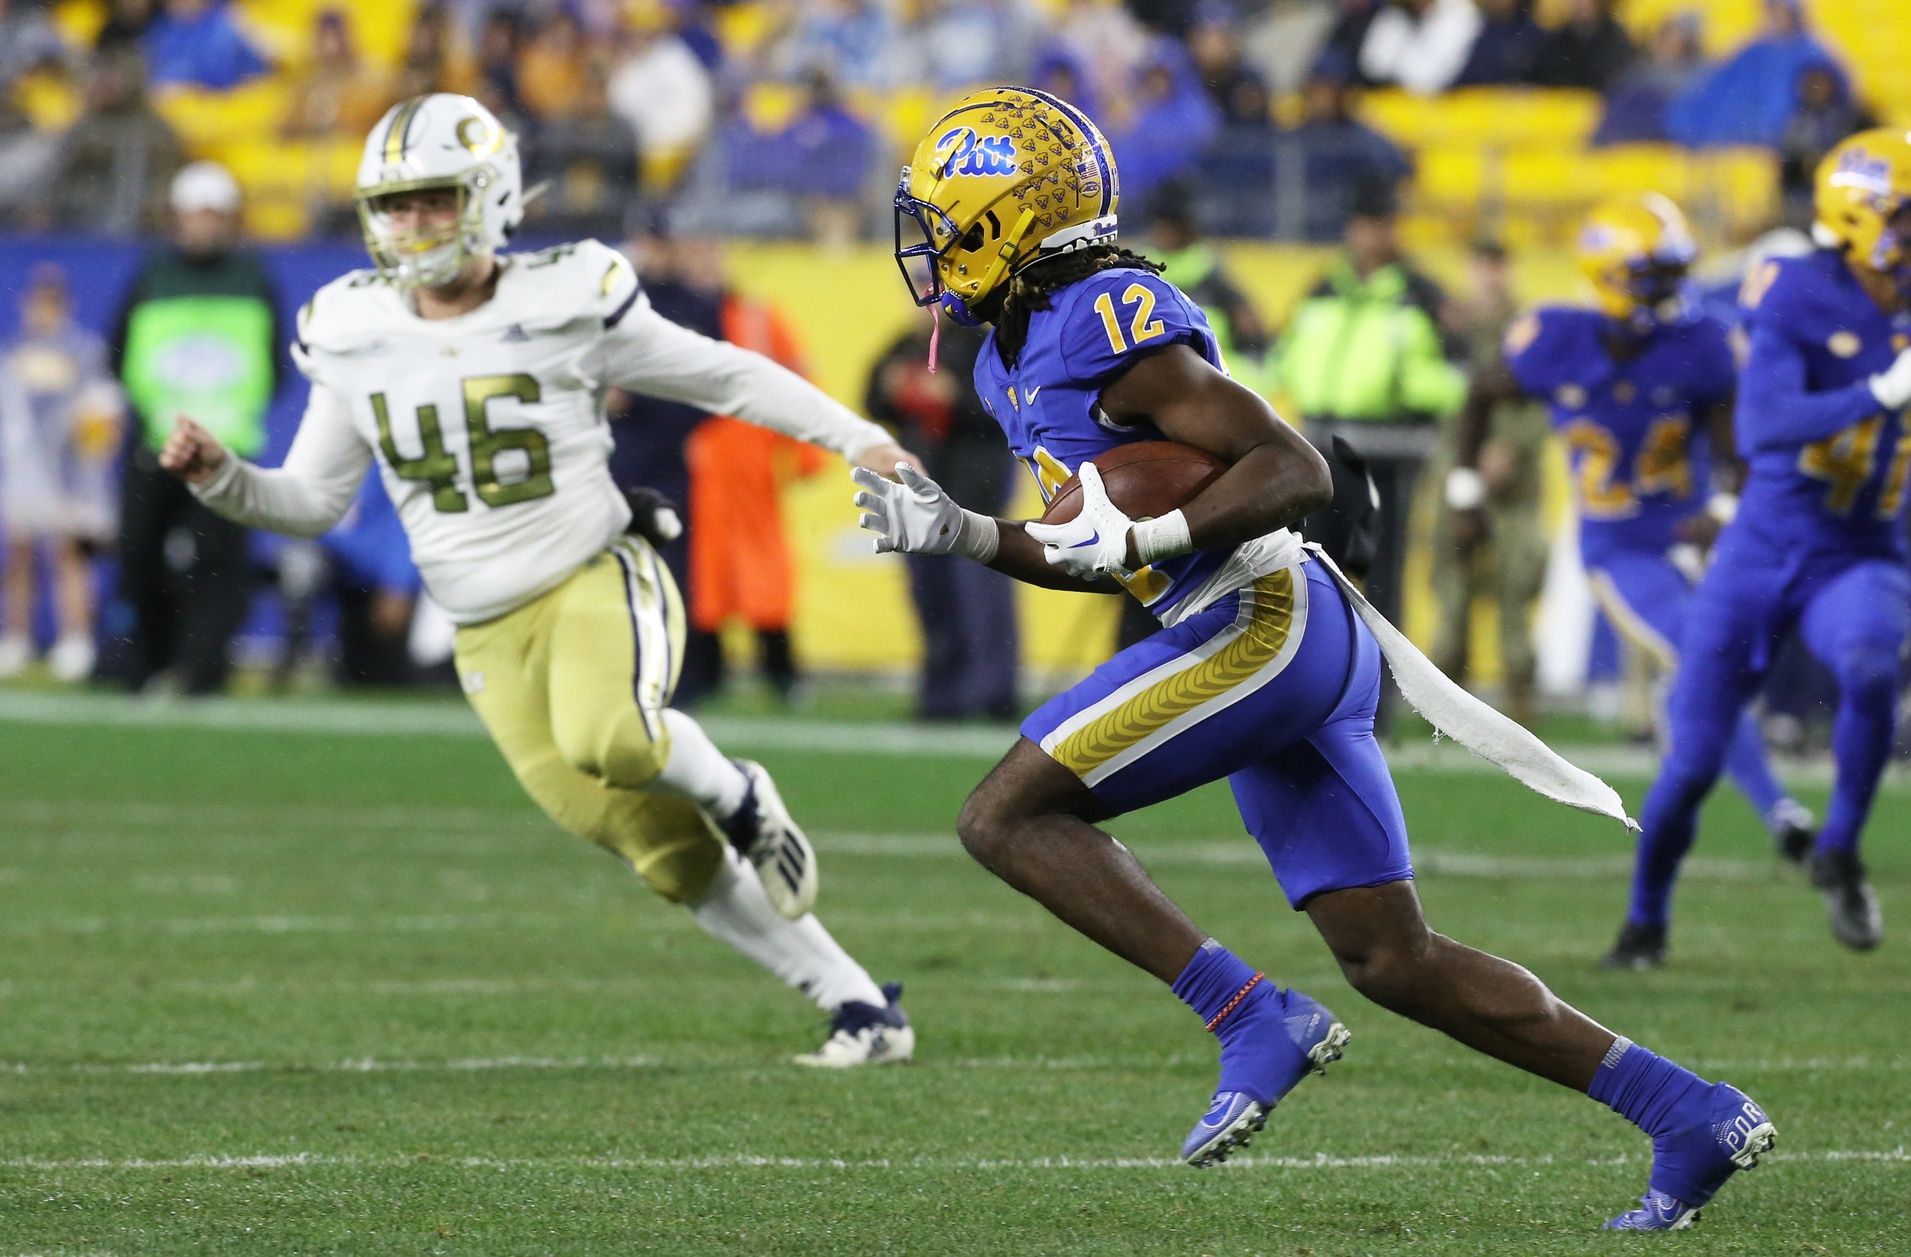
(1367, 350)
(206, 355)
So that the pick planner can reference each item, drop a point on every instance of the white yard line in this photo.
(873, 739)
(625, 1064)
(746, 1161)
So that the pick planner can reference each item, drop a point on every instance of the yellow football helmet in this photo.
(1008, 175)
(1862, 198)
(1635, 251)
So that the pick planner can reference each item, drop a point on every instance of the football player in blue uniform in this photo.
(1818, 543)
(1632, 383)
(1266, 670)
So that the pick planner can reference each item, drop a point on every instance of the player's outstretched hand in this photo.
(909, 514)
(1892, 386)
(192, 453)
(883, 458)
(1095, 542)
(653, 516)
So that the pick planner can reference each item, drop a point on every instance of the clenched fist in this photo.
(192, 453)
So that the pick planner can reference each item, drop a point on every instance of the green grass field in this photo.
(345, 991)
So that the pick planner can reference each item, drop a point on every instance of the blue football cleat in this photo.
(1690, 1165)
(1274, 1039)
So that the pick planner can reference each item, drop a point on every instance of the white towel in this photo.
(1476, 726)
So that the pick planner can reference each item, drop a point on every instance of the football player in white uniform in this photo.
(475, 379)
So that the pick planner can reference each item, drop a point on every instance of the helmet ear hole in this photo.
(972, 238)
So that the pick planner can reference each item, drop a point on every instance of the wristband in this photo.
(1162, 538)
(1722, 507)
(1466, 489)
(979, 538)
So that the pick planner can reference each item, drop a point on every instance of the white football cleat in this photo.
(16, 652)
(763, 830)
(863, 1034)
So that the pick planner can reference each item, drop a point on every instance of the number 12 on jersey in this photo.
(1144, 326)
(437, 466)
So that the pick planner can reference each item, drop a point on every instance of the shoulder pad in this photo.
(1113, 317)
(586, 279)
(357, 307)
(1788, 290)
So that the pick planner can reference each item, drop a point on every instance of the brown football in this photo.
(1146, 480)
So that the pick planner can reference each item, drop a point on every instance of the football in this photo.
(1146, 480)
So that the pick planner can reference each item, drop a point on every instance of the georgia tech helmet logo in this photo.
(970, 154)
(480, 136)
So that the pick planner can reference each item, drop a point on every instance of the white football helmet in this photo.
(439, 141)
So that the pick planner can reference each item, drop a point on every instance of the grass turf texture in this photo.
(268, 992)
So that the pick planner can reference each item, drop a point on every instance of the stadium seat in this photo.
(206, 118)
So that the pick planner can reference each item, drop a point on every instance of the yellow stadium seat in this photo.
(1491, 117)
(770, 106)
(1450, 176)
(79, 21)
(204, 118)
(1626, 169)
(48, 98)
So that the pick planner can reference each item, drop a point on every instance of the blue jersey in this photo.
(1827, 463)
(1048, 403)
(1628, 423)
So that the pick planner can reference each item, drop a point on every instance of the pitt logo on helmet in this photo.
(1862, 201)
(970, 154)
(1007, 176)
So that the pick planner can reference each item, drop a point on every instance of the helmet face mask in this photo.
(420, 253)
(428, 144)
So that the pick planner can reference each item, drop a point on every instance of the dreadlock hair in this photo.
(1036, 284)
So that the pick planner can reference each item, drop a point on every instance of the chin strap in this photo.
(935, 334)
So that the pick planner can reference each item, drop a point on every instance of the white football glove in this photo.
(1892, 386)
(1095, 542)
(912, 515)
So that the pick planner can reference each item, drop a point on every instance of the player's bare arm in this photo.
(1490, 387)
(1274, 476)
(1728, 474)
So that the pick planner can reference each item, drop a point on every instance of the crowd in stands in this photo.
(795, 114)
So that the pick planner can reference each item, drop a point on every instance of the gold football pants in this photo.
(572, 686)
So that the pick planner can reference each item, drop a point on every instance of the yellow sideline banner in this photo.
(853, 609)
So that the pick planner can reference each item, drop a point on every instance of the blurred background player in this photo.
(1639, 387)
(1818, 540)
(198, 334)
(970, 640)
(1509, 560)
(1266, 670)
(475, 382)
(60, 415)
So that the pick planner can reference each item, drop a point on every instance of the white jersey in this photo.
(489, 427)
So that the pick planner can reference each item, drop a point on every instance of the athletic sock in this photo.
(736, 911)
(1214, 983)
(697, 770)
(1645, 1088)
